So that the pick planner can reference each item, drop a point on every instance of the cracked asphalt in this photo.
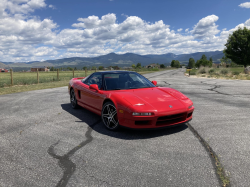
(43, 142)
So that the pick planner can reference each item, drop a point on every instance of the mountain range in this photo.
(113, 59)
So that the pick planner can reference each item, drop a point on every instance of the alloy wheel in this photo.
(109, 116)
(73, 99)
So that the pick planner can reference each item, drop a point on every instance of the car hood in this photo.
(157, 99)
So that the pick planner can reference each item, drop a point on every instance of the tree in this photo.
(210, 59)
(52, 68)
(115, 67)
(138, 65)
(203, 62)
(191, 63)
(238, 47)
(172, 63)
(224, 61)
(162, 66)
(175, 64)
(84, 68)
(133, 66)
(101, 68)
(75, 68)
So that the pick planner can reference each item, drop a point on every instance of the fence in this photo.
(27, 78)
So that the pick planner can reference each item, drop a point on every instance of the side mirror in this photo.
(154, 82)
(94, 87)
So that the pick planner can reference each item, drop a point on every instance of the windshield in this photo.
(122, 81)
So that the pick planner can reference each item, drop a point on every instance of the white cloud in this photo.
(245, 5)
(25, 38)
(20, 6)
(247, 23)
(52, 6)
(206, 27)
(124, 15)
(94, 22)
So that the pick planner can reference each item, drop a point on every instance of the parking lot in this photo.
(44, 142)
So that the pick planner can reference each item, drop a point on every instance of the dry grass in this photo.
(221, 73)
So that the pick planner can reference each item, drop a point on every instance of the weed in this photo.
(192, 73)
(224, 71)
(202, 71)
(211, 71)
(235, 73)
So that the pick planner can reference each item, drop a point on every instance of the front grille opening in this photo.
(141, 122)
(171, 119)
(189, 115)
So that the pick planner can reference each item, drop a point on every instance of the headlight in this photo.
(141, 114)
(190, 106)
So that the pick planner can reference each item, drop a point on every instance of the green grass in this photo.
(28, 78)
(27, 81)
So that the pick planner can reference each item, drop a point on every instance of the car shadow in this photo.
(124, 133)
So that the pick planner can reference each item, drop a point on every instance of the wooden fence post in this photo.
(11, 76)
(37, 76)
(58, 74)
(85, 72)
(73, 73)
(95, 69)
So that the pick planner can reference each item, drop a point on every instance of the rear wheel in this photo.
(73, 100)
(109, 116)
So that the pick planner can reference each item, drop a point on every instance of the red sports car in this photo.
(125, 98)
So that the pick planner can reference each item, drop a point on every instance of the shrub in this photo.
(224, 71)
(211, 71)
(235, 73)
(192, 73)
(202, 71)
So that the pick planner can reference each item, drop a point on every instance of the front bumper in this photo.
(157, 121)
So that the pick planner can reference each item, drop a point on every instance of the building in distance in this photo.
(39, 68)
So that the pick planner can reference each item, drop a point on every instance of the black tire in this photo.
(73, 100)
(109, 116)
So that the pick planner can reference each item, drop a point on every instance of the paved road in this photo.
(43, 142)
(221, 117)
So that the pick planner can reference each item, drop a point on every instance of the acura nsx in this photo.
(126, 98)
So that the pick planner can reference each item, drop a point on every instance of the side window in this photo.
(95, 79)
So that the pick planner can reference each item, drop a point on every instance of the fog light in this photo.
(190, 106)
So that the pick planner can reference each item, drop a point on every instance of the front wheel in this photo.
(73, 100)
(109, 116)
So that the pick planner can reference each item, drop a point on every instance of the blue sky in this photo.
(177, 13)
(51, 29)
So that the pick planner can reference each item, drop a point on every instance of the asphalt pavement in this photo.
(44, 142)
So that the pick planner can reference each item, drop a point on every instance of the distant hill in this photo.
(3, 66)
(121, 60)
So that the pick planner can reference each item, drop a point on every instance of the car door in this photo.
(93, 98)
